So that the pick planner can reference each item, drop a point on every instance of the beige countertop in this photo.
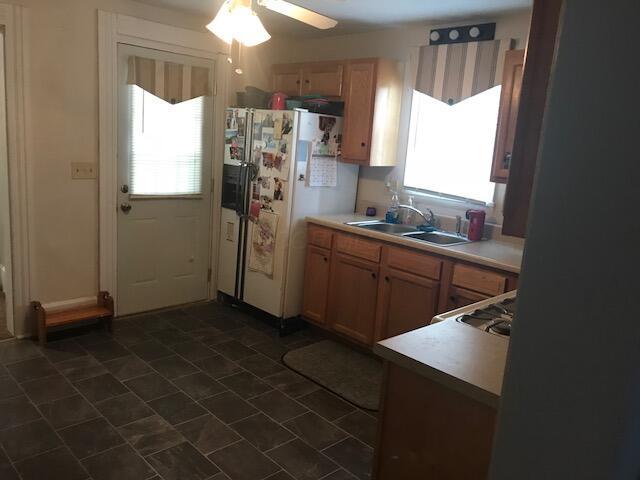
(460, 357)
(498, 254)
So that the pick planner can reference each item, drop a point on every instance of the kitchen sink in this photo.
(393, 228)
(437, 238)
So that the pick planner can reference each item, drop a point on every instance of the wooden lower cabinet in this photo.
(460, 297)
(432, 433)
(353, 291)
(316, 284)
(368, 290)
(406, 302)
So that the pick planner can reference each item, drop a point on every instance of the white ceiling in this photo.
(361, 15)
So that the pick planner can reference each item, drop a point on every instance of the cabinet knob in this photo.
(306, 81)
(386, 279)
(373, 275)
(363, 144)
(325, 259)
(297, 82)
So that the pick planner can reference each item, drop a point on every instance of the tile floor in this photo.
(189, 394)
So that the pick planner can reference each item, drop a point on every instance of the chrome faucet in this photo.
(428, 221)
(458, 225)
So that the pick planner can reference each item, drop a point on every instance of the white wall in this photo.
(570, 406)
(63, 95)
(395, 43)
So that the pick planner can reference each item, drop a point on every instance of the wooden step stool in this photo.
(103, 310)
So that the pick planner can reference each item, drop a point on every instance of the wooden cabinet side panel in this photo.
(507, 115)
(432, 433)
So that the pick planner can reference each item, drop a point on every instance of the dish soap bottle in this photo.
(392, 212)
(409, 216)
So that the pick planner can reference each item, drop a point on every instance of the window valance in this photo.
(454, 72)
(173, 82)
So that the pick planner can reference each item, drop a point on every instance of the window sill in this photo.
(446, 200)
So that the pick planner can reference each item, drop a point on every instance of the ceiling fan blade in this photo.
(302, 14)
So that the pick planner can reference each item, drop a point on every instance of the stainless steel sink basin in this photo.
(392, 228)
(407, 231)
(439, 238)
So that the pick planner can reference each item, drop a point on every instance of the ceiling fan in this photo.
(236, 20)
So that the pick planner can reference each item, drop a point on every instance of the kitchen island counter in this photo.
(457, 356)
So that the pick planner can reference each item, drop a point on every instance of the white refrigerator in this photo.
(279, 167)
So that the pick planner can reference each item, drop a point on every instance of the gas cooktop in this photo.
(493, 315)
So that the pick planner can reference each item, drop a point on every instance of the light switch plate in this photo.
(83, 170)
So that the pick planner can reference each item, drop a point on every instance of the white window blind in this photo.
(450, 148)
(166, 145)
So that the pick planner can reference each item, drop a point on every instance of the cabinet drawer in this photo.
(479, 280)
(358, 247)
(319, 236)
(413, 262)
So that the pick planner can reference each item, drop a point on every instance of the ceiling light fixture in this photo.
(236, 20)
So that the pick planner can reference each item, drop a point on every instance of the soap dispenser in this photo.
(392, 212)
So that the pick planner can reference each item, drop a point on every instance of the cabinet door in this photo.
(406, 302)
(316, 284)
(358, 111)
(287, 79)
(508, 114)
(352, 297)
(460, 297)
(323, 78)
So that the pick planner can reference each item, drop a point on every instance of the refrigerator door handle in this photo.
(240, 190)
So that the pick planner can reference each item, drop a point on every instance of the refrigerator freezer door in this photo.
(231, 222)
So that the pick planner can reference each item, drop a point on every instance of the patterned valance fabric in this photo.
(173, 82)
(454, 72)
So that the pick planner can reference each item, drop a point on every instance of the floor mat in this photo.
(354, 376)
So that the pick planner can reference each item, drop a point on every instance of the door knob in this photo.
(125, 207)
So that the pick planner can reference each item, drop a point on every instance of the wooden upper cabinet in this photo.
(538, 66)
(353, 291)
(372, 93)
(508, 114)
(322, 78)
(406, 302)
(287, 79)
(316, 284)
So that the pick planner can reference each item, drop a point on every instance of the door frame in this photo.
(14, 21)
(113, 29)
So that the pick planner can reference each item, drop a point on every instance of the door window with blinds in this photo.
(453, 123)
(167, 110)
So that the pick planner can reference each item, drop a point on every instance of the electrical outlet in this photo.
(83, 170)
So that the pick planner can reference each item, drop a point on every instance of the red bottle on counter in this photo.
(476, 224)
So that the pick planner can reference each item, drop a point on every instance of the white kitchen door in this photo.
(164, 184)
